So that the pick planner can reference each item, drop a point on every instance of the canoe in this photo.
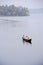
(26, 39)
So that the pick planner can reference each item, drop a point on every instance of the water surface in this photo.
(12, 49)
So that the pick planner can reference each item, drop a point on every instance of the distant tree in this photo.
(13, 11)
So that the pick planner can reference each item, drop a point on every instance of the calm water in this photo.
(12, 49)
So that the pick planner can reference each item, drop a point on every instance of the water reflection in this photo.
(26, 44)
(13, 49)
(8, 20)
(13, 23)
(5, 21)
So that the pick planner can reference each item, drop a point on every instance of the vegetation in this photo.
(13, 11)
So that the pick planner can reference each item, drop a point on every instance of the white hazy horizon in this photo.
(31, 4)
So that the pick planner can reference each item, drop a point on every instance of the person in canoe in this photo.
(26, 38)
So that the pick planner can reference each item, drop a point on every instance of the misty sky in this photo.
(25, 3)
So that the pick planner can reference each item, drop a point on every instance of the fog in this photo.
(31, 4)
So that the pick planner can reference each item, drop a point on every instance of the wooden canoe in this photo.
(26, 39)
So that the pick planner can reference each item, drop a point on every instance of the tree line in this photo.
(12, 10)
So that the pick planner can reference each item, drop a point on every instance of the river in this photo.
(12, 49)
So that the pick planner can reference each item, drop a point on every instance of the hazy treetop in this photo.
(13, 11)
